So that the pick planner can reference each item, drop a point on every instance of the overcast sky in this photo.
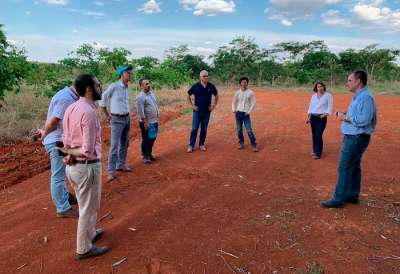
(49, 29)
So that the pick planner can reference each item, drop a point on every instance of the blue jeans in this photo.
(349, 171)
(242, 118)
(58, 190)
(318, 126)
(120, 127)
(147, 142)
(199, 119)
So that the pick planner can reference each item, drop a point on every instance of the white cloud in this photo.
(288, 11)
(333, 18)
(28, 12)
(373, 16)
(56, 2)
(209, 7)
(87, 12)
(97, 45)
(150, 7)
(98, 3)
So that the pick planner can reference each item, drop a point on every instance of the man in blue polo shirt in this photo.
(358, 123)
(51, 136)
(202, 107)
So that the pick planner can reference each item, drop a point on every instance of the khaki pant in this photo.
(86, 180)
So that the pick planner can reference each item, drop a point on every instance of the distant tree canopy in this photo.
(13, 65)
(287, 63)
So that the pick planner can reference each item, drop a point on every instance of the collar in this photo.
(122, 84)
(74, 94)
(355, 95)
(87, 101)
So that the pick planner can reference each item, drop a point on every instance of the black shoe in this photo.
(93, 252)
(354, 201)
(72, 199)
(332, 204)
(99, 233)
(70, 213)
(152, 158)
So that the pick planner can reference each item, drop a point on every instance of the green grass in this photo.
(312, 268)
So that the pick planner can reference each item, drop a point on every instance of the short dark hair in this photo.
(362, 75)
(244, 78)
(82, 82)
(319, 83)
(141, 81)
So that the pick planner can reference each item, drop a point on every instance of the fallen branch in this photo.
(227, 264)
(227, 253)
(105, 216)
(119, 262)
(22, 266)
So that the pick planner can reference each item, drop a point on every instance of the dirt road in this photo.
(225, 210)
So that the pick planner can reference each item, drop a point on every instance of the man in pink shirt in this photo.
(82, 146)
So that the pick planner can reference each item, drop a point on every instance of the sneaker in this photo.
(125, 169)
(72, 199)
(316, 157)
(240, 146)
(93, 252)
(203, 148)
(255, 149)
(70, 213)
(189, 149)
(146, 161)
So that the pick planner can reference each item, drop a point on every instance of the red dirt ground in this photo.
(189, 210)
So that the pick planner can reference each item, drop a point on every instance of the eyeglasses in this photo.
(204, 76)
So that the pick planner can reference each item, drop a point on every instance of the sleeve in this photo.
(59, 109)
(191, 90)
(234, 101)
(88, 133)
(140, 107)
(330, 104)
(214, 91)
(309, 106)
(252, 102)
(65, 134)
(105, 97)
(364, 112)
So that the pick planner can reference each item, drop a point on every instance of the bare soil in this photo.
(220, 211)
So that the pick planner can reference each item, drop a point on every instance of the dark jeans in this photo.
(147, 143)
(318, 126)
(242, 118)
(200, 119)
(349, 171)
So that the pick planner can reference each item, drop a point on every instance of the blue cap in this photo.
(122, 69)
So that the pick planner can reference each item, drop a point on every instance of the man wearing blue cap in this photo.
(117, 97)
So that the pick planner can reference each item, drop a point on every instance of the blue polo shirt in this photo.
(203, 95)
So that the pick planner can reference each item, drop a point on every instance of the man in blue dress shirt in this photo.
(117, 97)
(358, 123)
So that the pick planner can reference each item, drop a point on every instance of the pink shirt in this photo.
(81, 127)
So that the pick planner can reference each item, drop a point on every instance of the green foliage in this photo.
(13, 65)
(312, 268)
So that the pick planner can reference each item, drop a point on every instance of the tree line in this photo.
(287, 63)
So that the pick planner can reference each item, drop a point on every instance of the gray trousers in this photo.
(86, 180)
(120, 128)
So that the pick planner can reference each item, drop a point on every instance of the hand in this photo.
(211, 108)
(341, 116)
(234, 111)
(107, 119)
(195, 108)
(38, 134)
(146, 126)
(69, 159)
(323, 115)
(307, 121)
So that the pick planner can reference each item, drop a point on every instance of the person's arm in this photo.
(105, 98)
(329, 107)
(140, 111)
(252, 102)
(309, 111)
(234, 102)
(49, 126)
(89, 122)
(189, 99)
(216, 98)
(363, 114)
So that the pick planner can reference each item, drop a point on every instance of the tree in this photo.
(13, 65)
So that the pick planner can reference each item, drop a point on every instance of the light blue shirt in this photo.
(361, 113)
(117, 96)
(147, 108)
(59, 103)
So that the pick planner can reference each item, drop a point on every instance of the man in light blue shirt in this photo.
(358, 123)
(51, 136)
(117, 97)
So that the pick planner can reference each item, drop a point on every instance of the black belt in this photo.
(87, 161)
(120, 115)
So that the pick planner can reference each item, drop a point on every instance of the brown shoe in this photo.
(189, 149)
(255, 149)
(125, 169)
(93, 252)
(70, 213)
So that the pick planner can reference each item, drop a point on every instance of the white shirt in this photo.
(244, 101)
(322, 105)
(117, 96)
